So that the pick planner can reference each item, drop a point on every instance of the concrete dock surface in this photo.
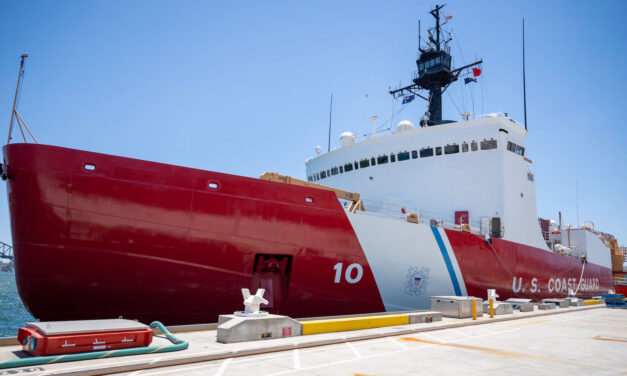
(573, 341)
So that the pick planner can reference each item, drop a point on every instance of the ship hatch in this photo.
(272, 272)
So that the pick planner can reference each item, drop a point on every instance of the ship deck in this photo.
(576, 340)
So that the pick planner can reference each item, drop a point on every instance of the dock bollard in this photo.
(492, 295)
(474, 309)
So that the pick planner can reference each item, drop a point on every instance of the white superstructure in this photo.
(477, 166)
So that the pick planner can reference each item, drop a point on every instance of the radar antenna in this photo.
(434, 71)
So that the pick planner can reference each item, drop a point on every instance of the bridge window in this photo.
(473, 146)
(317, 176)
(514, 148)
(348, 167)
(356, 165)
(373, 161)
(334, 171)
(403, 156)
(451, 149)
(392, 158)
(414, 154)
(382, 159)
(323, 174)
(426, 152)
(464, 147)
(341, 169)
(488, 144)
(364, 163)
(438, 150)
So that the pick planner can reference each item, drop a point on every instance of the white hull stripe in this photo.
(447, 261)
(451, 253)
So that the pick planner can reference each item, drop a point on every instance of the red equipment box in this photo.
(461, 217)
(68, 337)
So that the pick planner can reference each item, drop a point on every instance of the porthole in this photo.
(213, 185)
(89, 166)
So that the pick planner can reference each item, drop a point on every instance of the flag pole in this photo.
(330, 114)
(418, 35)
(524, 78)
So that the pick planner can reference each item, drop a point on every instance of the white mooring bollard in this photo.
(252, 303)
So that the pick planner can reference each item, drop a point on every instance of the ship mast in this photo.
(16, 115)
(434, 72)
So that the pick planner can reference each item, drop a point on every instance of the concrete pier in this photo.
(576, 341)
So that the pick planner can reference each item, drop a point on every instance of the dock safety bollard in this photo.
(474, 309)
(492, 295)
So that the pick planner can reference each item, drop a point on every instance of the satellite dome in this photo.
(347, 138)
(404, 125)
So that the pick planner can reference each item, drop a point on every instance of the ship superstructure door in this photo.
(272, 272)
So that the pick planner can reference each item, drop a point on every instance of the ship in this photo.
(443, 208)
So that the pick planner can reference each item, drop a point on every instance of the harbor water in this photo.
(13, 314)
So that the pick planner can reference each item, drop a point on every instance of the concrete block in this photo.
(546, 306)
(422, 317)
(500, 308)
(574, 302)
(459, 307)
(224, 318)
(526, 307)
(243, 329)
(562, 303)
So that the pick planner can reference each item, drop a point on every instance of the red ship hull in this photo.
(150, 241)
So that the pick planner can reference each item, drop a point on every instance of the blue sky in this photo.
(244, 87)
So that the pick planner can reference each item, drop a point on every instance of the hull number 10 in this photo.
(353, 273)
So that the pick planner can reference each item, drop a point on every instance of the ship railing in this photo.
(427, 217)
(497, 115)
(618, 281)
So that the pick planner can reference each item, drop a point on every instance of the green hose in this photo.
(178, 344)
